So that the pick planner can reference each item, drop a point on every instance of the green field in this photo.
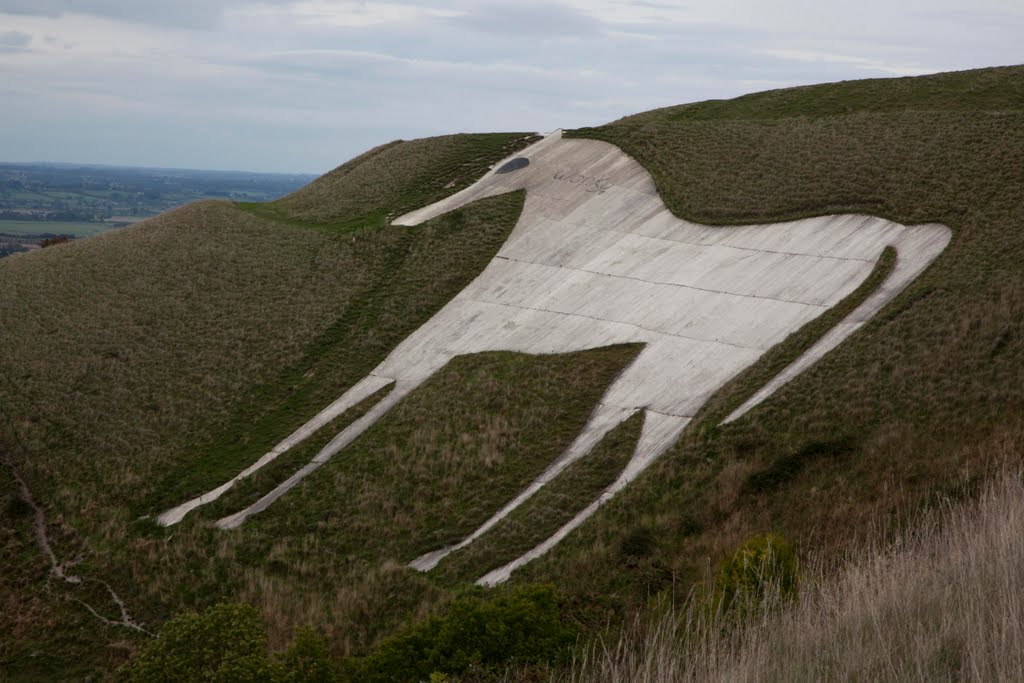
(53, 228)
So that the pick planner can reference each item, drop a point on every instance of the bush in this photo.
(17, 506)
(784, 469)
(51, 241)
(640, 542)
(764, 566)
(522, 624)
(225, 643)
(306, 660)
(228, 642)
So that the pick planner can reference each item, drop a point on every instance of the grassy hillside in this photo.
(143, 367)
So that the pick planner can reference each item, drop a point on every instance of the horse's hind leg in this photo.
(659, 433)
(602, 420)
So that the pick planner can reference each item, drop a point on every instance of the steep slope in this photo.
(391, 179)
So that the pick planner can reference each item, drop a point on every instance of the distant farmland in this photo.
(22, 236)
(47, 228)
(44, 200)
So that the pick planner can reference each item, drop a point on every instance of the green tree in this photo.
(478, 632)
(306, 660)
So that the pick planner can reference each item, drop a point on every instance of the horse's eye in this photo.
(514, 165)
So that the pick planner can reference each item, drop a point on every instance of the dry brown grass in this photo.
(941, 601)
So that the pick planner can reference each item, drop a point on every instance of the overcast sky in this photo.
(302, 85)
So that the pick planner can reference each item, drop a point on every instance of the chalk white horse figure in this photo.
(596, 258)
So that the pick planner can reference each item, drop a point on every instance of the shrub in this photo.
(640, 542)
(225, 643)
(17, 506)
(51, 241)
(764, 566)
(306, 659)
(520, 625)
(785, 468)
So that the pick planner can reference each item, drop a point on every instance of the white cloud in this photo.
(342, 13)
(865, 63)
(303, 84)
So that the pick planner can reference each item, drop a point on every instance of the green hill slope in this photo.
(148, 364)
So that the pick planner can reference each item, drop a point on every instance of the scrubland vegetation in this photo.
(145, 366)
(938, 601)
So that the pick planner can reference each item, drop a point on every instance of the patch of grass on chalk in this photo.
(547, 510)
